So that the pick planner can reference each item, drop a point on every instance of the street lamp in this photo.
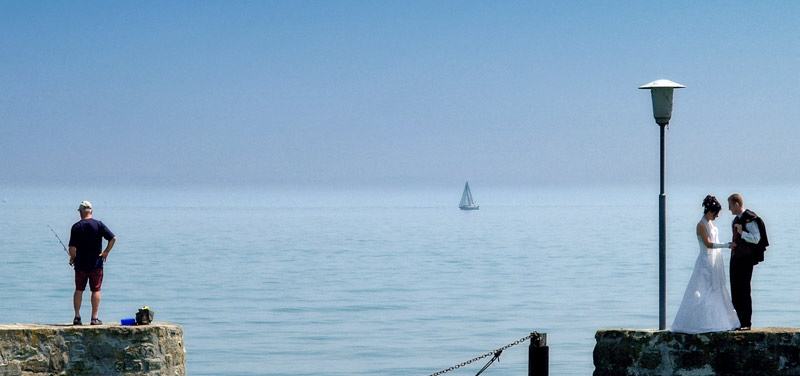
(661, 93)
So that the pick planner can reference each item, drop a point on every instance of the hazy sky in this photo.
(395, 92)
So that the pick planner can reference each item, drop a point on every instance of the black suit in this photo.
(741, 274)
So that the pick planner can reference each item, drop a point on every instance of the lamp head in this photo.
(661, 94)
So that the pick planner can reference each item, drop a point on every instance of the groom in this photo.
(749, 243)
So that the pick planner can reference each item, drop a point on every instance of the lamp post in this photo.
(661, 93)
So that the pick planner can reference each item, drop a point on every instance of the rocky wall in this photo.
(761, 351)
(36, 349)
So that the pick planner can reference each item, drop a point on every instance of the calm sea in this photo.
(383, 282)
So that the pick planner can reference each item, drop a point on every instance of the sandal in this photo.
(96, 321)
(76, 321)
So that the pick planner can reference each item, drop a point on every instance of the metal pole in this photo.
(662, 245)
(538, 355)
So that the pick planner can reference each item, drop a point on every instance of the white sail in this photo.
(466, 199)
(466, 196)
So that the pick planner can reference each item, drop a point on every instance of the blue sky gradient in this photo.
(315, 93)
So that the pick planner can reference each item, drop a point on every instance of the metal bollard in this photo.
(538, 355)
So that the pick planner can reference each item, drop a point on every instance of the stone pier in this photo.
(36, 349)
(761, 351)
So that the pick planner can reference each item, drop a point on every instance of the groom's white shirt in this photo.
(752, 235)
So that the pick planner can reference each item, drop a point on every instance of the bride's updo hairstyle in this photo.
(710, 204)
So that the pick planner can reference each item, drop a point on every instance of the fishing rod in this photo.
(59, 240)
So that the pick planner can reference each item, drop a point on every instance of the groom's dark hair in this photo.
(736, 199)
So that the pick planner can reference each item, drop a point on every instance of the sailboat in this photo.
(466, 200)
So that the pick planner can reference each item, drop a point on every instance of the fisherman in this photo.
(85, 243)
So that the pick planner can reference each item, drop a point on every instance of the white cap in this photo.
(85, 205)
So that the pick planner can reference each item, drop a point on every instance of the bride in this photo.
(706, 305)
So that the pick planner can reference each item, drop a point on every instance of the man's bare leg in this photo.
(76, 302)
(95, 303)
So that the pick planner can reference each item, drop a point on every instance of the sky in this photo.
(317, 93)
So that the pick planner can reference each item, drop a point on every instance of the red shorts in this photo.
(94, 277)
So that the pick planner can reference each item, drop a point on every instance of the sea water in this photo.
(383, 281)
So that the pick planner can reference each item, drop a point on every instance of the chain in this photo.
(490, 353)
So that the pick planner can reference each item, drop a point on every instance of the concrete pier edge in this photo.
(108, 349)
(761, 351)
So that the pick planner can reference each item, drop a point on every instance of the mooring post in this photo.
(538, 355)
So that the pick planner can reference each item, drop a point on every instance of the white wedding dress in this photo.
(706, 305)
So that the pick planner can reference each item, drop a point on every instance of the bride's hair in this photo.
(711, 204)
